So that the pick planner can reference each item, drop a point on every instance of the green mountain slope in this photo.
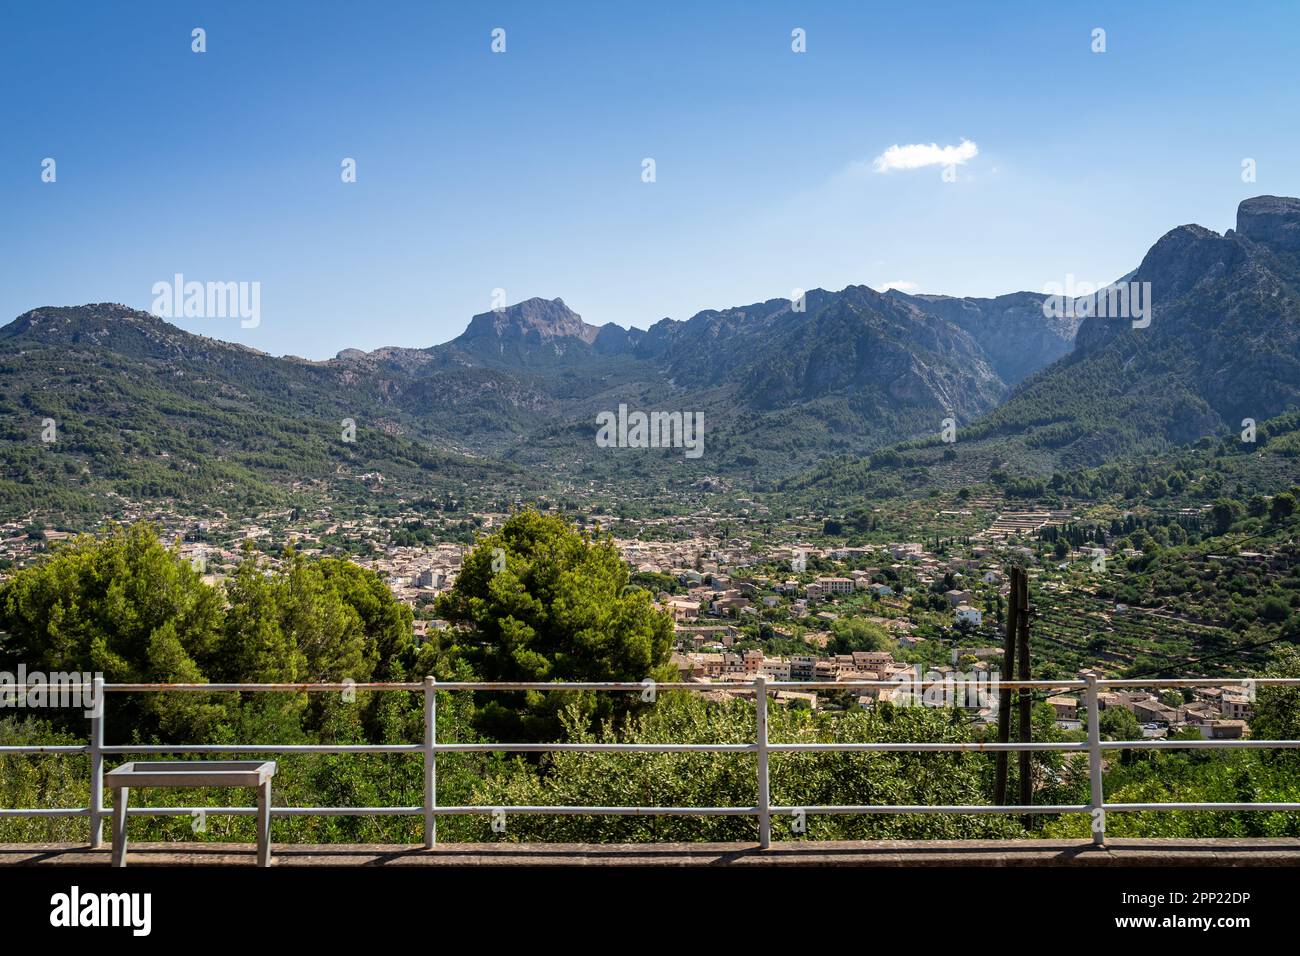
(144, 412)
(1222, 346)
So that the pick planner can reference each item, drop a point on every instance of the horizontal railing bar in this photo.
(619, 686)
(606, 811)
(686, 811)
(941, 682)
(419, 748)
(594, 748)
(958, 747)
(1042, 684)
(406, 811)
(204, 688)
(1220, 807)
(260, 748)
(666, 811)
(275, 811)
(895, 747)
(1229, 744)
(637, 686)
(347, 811)
(975, 808)
(1196, 681)
(736, 685)
(681, 811)
(615, 686)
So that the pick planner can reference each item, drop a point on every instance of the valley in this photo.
(966, 434)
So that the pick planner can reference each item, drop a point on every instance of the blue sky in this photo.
(522, 170)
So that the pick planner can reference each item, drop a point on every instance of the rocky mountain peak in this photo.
(1186, 257)
(534, 320)
(1271, 220)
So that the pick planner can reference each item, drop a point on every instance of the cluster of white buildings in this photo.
(416, 575)
(1218, 713)
(741, 666)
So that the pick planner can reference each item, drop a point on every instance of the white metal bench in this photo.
(192, 773)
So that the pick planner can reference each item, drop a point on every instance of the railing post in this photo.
(97, 765)
(1097, 808)
(764, 789)
(430, 763)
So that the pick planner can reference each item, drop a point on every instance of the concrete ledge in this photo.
(895, 853)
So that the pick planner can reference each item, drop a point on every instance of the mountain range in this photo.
(145, 410)
(1222, 346)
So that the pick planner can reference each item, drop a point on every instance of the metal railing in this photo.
(762, 809)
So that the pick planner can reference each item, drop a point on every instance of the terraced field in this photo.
(1076, 628)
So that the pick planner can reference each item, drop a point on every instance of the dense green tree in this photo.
(849, 634)
(1277, 709)
(540, 601)
(124, 606)
(130, 608)
(1118, 723)
(1224, 512)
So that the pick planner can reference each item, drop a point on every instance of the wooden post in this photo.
(1004, 695)
(1026, 695)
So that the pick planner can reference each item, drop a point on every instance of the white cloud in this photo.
(918, 155)
(900, 285)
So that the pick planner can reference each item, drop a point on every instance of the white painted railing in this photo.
(762, 809)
